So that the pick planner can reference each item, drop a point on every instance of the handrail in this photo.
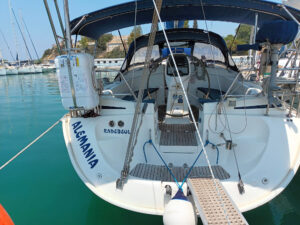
(122, 76)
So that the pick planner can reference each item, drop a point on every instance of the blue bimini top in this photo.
(121, 16)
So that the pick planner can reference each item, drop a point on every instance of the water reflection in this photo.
(29, 85)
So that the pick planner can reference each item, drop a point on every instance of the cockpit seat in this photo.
(131, 98)
(214, 95)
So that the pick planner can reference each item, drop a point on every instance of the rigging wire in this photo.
(134, 130)
(235, 36)
(221, 105)
(10, 52)
(134, 41)
(192, 115)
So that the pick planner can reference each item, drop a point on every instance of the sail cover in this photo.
(121, 16)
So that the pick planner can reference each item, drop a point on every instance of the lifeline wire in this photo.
(31, 143)
(189, 106)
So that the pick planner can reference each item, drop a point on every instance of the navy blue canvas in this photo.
(239, 11)
(277, 32)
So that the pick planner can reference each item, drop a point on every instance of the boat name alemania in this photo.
(87, 151)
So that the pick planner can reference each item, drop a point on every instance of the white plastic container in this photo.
(82, 67)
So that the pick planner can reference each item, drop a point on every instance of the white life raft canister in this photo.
(82, 68)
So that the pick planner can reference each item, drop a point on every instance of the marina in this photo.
(189, 128)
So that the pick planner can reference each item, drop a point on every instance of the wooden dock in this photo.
(214, 206)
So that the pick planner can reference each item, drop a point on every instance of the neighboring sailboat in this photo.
(47, 68)
(11, 70)
(180, 110)
(2, 69)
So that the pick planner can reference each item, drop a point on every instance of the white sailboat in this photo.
(11, 70)
(46, 68)
(38, 69)
(26, 69)
(2, 71)
(180, 109)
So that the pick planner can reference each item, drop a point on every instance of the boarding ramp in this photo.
(214, 204)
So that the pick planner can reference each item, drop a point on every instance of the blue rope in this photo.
(190, 170)
(144, 151)
(170, 171)
(217, 161)
(208, 142)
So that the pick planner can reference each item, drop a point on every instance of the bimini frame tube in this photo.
(59, 19)
(290, 14)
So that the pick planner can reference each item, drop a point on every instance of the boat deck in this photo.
(178, 135)
(214, 204)
(160, 172)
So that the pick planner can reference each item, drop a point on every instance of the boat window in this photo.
(140, 55)
(208, 52)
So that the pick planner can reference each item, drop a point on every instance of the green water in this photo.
(41, 187)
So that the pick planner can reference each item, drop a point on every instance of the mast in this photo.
(23, 37)
(7, 45)
(1, 57)
(23, 21)
(14, 32)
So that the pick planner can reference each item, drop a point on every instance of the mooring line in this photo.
(31, 143)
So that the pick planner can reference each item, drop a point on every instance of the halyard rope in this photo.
(192, 114)
(31, 143)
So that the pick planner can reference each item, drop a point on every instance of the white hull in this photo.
(47, 69)
(267, 149)
(11, 71)
(38, 69)
(26, 70)
(253, 147)
(2, 72)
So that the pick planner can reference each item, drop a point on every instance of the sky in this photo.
(34, 14)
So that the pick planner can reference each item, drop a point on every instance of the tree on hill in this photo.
(83, 42)
(229, 39)
(103, 40)
(47, 52)
(186, 24)
(243, 33)
(135, 33)
(115, 53)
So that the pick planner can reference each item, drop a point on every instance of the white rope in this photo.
(221, 105)
(134, 42)
(31, 143)
(192, 114)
